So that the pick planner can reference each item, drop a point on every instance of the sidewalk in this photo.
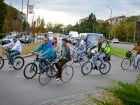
(73, 100)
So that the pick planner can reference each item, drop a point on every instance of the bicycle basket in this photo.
(128, 54)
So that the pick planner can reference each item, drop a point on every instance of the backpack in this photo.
(107, 49)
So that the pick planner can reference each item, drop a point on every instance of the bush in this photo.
(121, 93)
(2, 35)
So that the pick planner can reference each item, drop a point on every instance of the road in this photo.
(125, 46)
(16, 90)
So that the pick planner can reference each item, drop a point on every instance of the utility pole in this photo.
(110, 16)
(27, 16)
(21, 15)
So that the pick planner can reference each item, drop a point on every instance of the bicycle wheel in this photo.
(105, 67)
(1, 63)
(125, 64)
(18, 63)
(51, 72)
(30, 70)
(86, 68)
(83, 59)
(44, 78)
(138, 65)
(67, 73)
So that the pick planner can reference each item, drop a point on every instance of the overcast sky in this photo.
(70, 11)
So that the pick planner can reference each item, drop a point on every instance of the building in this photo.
(115, 20)
(83, 19)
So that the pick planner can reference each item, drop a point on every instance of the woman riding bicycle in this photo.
(137, 57)
(64, 58)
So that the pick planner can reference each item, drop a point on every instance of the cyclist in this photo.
(80, 49)
(64, 58)
(137, 57)
(105, 52)
(47, 51)
(14, 51)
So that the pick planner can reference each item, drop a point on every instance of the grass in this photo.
(120, 93)
(26, 48)
(119, 51)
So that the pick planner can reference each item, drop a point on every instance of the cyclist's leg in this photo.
(12, 55)
(101, 57)
(137, 58)
(96, 56)
(59, 67)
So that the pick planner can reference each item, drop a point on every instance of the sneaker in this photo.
(95, 67)
(58, 79)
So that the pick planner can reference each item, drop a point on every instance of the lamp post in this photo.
(110, 16)
(27, 16)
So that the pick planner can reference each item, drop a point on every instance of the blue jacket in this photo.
(44, 47)
(47, 49)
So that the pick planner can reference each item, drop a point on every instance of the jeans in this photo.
(79, 54)
(11, 55)
(137, 58)
(101, 57)
(42, 62)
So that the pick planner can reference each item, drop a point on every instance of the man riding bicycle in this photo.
(47, 51)
(14, 51)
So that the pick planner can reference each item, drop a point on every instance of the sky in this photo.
(70, 11)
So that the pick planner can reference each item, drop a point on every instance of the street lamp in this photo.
(110, 16)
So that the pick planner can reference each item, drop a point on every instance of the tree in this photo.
(2, 14)
(39, 25)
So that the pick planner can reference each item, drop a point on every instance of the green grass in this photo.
(119, 51)
(120, 93)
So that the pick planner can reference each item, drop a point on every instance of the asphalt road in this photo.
(16, 90)
(125, 46)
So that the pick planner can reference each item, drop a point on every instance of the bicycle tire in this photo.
(83, 69)
(51, 72)
(33, 69)
(66, 70)
(138, 64)
(22, 63)
(127, 62)
(1, 63)
(44, 78)
(102, 66)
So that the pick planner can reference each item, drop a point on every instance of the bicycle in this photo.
(31, 69)
(128, 60)
(83, 57)
(18, 60)
(89, 65)
(51, 72)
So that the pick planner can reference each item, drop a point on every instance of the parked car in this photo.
(8, 39)
(26, 39)
(40, 37)
(115, 40)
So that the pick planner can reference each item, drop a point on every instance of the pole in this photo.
(21, 15)
(27, 16)
(110, 16)
(134, 38)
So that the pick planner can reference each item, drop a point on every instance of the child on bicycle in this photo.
(64, 58)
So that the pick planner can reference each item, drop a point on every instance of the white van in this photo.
(73, 35)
